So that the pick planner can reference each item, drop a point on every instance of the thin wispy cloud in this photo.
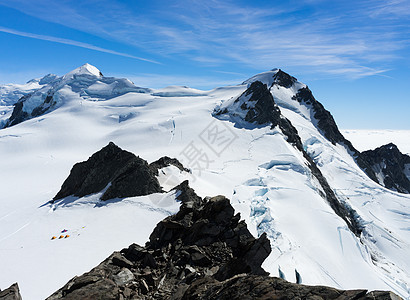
(336, 38)
(390, 9)
(71, 43)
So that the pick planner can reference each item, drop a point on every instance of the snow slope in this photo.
(266, 178)
(11, 93)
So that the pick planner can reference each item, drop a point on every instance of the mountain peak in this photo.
(85, 69)
(274, 76)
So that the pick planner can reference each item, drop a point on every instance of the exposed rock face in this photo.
(384, 165)
(12, 293)
(391, 166)
(262, 287)
(257, 105)
(396, 179)
(202, 252)
(204, 239)
(283, 79)
(326, 123)
(127, 174)
(166, 161)
(262, 108)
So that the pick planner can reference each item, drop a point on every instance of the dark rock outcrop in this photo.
(328, 127)
(390, 164)
(325, 121)
(12, 293)
(125, 175)
(395, 178)
(166, 161)
(19, 114)
(204, 239)
(249, 287)
(202, 252)
(283, 79)
(369, 161)
(262, 108)
(256, 103)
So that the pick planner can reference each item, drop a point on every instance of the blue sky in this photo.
(354, 55)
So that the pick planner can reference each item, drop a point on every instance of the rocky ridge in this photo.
(256, 105)
(326, 124)
(202, 252)
(391, 166)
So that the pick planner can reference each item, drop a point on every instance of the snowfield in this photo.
(267, 180)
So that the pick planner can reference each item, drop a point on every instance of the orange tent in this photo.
(54, 237)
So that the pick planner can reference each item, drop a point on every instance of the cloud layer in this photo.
(341, 38)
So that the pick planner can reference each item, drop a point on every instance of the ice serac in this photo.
(390, 166)
(202, 252)
(256, 107)
(121, 172)
(84, 83)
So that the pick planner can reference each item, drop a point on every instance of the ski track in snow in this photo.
(11, 234)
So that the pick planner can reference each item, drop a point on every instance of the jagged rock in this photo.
(127, 174)
(182, 248)
(255, 105)
(262, 287)
(328, 127)
(263, 109)
(202, 252)
(390, 164)
(283, 79)
(166, 161)
(119, 260)
(326, 123)
(123, 277)
(384, 165)
(11, 293)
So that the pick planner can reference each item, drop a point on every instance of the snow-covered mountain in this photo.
(267, 144)
(11, 93)
(86, 82)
